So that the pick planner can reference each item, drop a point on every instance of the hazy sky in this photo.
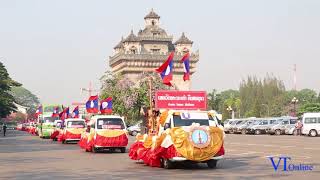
(55, 47)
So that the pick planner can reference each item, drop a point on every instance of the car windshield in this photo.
(110, 123)
(177, 121)
(256, 122)
(233, 122)
(278, 121)
(249, 122)
(75, 124)
(49, 119)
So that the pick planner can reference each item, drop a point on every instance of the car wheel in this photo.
(134, 133)
(94, 150)
(257, 132)
(123, 150)
(212, 164)
(278, 132)
(167, 164)
(243, 131)
(313, 133)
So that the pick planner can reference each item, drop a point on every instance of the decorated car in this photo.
(193, 136)
(106, 132)
(45, 125)
(58, 129)
(73, 128)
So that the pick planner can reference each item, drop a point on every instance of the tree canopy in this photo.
(262, 98)
(6, 99)
(25, 98)
(128, 98)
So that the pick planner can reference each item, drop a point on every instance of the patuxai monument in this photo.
(147, 50)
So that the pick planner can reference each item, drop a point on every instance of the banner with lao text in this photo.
(186, 100)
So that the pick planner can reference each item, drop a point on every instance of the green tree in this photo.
(262, 97)
(309, 107)
(129, 98)
(25, 98)
(214, 100)
(6, 99)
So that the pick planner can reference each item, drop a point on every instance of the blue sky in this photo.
(55, 47)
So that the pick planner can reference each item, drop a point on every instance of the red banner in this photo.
(186, 100)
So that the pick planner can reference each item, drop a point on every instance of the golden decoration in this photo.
(111, 133)
(76, 130)
(181, 141)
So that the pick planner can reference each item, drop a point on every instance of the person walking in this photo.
(298, 126)
(4, 128)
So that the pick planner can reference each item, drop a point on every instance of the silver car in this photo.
(243, 127)
(235, 124)
(282, 125)
(263, 126)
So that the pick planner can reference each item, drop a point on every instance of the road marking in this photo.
(287, 146)
(311, 148)
(246, 153)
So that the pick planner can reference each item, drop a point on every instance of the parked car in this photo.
(227, 125)
(135, 129)
(259, 127)
(282, 124)
(234, 125)
(311, 124)
(243, 127)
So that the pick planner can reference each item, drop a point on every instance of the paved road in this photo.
(23, 156)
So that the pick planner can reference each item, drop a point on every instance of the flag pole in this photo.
(151, 105)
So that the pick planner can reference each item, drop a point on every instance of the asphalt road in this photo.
(23, 156)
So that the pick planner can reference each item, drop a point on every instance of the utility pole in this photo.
(89, 90)
(295, 77)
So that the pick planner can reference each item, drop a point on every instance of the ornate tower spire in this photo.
(152, 19)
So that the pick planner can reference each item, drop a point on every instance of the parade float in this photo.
(45, 125)
(31, 128)
(105, 132)
(73, 128)
(179, 132)
(57, 129)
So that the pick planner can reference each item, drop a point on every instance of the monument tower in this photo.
(147, 50)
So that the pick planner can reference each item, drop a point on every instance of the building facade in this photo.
(147, 50)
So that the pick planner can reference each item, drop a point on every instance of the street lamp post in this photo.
(230, 110)
(268, 110)
(294, 102)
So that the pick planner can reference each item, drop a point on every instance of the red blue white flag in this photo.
(92, 105)
(106, 106)
(75, 113)
(39, 111)
(55, 112)
(165, 70)
(186, 66)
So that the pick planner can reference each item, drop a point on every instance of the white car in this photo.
(311, 124)
(135, 129)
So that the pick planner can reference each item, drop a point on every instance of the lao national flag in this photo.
(55, 112)
(75, 113)
(92, 105)
(64, 114)
(186, 66)
(39, 110)
(67, 113)
(165, 70)
(106, 106)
